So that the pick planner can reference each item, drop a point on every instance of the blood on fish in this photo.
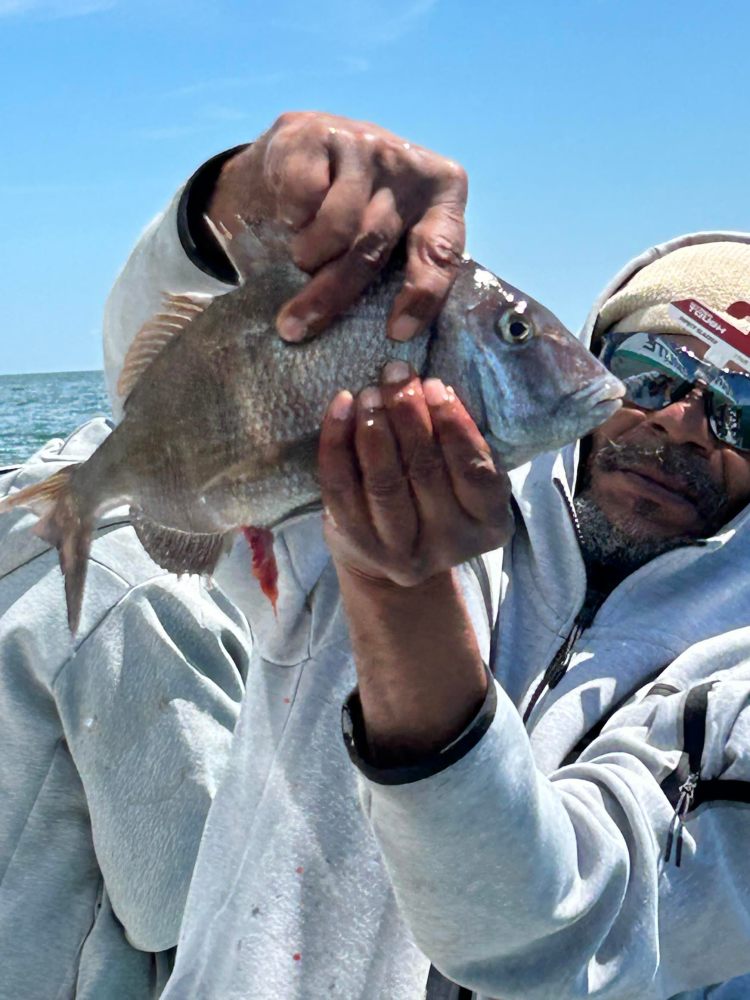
(265, 570)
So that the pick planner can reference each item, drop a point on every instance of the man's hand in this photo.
(408, 482)
(350, 191)
(410, 490)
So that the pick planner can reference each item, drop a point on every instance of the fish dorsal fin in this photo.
(177, 313)
(254, 246)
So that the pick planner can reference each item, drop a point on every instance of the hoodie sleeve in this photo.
(170, 256)
(148, 704)
(524, 886)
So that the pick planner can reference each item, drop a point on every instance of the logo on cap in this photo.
(726, 342)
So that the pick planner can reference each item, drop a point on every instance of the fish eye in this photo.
(514, 328)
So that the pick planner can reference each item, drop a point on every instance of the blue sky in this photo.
(590, 129)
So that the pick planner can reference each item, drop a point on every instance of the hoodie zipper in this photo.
(694, 738)
(684, 804)
(583, 620)
(561, 660)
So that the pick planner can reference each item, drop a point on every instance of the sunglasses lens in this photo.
(729, 410)
(726, 424)
(653, 375)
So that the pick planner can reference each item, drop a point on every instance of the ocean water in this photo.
(35, 408)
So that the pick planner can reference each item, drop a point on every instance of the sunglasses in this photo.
(657, 373)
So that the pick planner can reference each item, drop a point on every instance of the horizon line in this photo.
(62, 371)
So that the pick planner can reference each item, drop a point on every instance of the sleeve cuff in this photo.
(353, 727)
(197, 242)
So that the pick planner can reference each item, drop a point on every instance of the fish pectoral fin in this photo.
(180, 551)
(270, 461)
(178, 311)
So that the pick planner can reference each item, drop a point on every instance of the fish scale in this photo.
(221, 417)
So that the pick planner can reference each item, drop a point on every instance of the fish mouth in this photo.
(578, 414)
(600, 399)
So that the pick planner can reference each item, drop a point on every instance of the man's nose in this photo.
(686, 422)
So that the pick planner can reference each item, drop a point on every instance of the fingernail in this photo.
(405, 327)
(341, 406)
(396, 371)
(435, 392)
(291, 328)
(371, 398)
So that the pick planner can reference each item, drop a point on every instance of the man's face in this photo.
(661, 475)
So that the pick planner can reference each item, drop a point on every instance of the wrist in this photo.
(382, 589)
(421, 677)
(197, 201)
(403, 768)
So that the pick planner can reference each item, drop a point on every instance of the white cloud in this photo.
(395, 26)
(368, 22)
(160, 133)
(80, 9)
(225, 83)
(341, 66)
(54, 8)
(354, 64)
(220, 113)
(204, 119)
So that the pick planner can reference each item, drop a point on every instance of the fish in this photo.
(221, 417)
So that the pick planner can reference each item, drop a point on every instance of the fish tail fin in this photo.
(38, 497)
(63, 524)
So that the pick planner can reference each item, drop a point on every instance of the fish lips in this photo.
(592, 405)
(575, 416)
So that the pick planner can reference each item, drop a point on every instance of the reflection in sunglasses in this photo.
(657, 373)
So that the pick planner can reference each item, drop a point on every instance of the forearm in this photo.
(510, 884)
(421, 676)
(521, 886)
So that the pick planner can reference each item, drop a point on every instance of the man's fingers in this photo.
(434, 251)
(299, 179)
(351, 190)
(386, 488)
(338, 469)
(481, 489)
(338, 220)
(338, 285)
(420, 453)
(408, 481)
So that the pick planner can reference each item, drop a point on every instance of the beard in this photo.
(622, 547)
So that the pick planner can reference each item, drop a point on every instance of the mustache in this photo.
(679, 462)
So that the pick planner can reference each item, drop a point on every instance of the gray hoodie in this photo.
(290, 898)
(532, 865)
(538, 863)
(111, 749)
